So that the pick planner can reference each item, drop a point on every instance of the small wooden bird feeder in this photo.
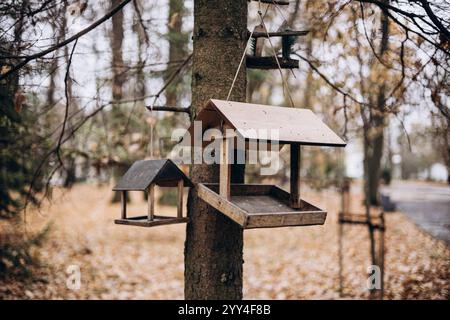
(143, 176)
(255, 60)
(257, 205)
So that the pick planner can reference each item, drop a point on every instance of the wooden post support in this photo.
(123, 200)
(295, 176)
(180, 199)
(346, 197)
(151, 202)
(381, 230)
(225, 168)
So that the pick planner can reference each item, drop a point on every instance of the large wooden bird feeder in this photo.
(257, 205)
(143, 175)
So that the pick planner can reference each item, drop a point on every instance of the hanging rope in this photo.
(245, 52)
(284, 82)
(281, 12)
(240, 64)
(152, 125)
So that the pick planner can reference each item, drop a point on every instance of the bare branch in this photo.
(86, 30)
(66, 112)
(170, 109)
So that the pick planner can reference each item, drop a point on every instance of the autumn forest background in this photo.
(89, 87)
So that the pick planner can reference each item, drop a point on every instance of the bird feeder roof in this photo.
(255, 122)
(145, 172)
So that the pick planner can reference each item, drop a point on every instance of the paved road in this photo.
(427, 205)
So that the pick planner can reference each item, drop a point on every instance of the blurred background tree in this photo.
(79, 112)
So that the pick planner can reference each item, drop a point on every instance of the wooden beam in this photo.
(151, 202)
(142, 221)
(296, 202)
(285, 219)
(123, 200)
(225, 168)
(180, 199)
(229, 209)
(346, 196)
(293, 33)
(270, 63)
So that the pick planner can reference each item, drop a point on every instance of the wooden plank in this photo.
(123, 202)
(281, 194)
(180, 199)
(268, 63)
(254, 192)
(361, 219)
(364, 223)
(225, 169)
(262, 122)
(284, 196)
(139, 176)
(145, 172)
(256, 122)
(260, 203)
(264, 210)
(296, 156)
(269, 204)
(142, 221)
(151, 202)
(241, 189)
(288, 219)
(221, 204)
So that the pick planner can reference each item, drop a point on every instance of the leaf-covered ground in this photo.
(121, 262)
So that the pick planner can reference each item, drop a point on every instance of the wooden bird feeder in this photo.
(257, 205)
(255, 61)
(143, 176)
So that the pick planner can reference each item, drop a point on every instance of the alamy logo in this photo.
(204, 147)
(73, 281)
(374, 279)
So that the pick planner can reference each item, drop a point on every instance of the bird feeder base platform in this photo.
(142, 221)
(261, 206)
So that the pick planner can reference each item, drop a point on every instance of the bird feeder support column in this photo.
(225, 167)
(295, 175)
(180, 199)
(123, 201)
(151, 202)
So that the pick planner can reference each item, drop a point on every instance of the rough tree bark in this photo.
(373, 150)
(214, 243)
(378, 121)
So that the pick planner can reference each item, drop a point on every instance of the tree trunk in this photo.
(375, 149)
(118, 77)
(378, 122)
(374, 143)
(178, 41)
(214, 243)
(70, 174)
